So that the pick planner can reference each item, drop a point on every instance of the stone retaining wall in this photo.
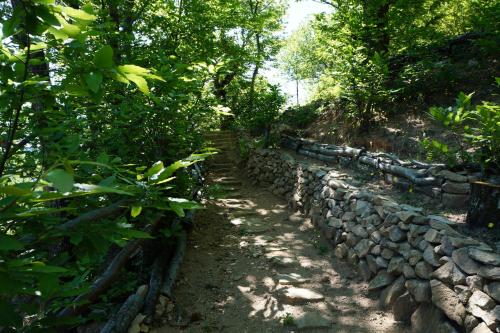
(434, 180)
(429, 274)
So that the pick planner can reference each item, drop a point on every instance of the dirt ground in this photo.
(238, 250)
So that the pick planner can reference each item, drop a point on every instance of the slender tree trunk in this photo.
(297, 91)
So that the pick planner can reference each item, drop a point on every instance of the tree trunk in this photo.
(297, 91)
(484, 205)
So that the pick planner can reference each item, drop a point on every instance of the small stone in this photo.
(396, 234)
(430, 256)
(363, 247)
(463, 292)
(376, 250)
(408, 271)
(475, 282)
(279, 261)
(294, 295)
(291, 279)
(462, 259)
(487, 316)
(381, 280)
(381, 262)
(341, 251)
(395, 265)
(387, 254)
(334, 222)
(372, 263)
(481, 300)
(446, 246)
(423, 270)
(419, 289)
(403, 307)
(446, 299)
(493, 289)
(312, 320)
(376, 236)
(490, 273)
(457, 188)
(481, 328)
(488, 258)
(470, 322)
(415, 257)
(450, 274)
(364, 270)
(432, 236)
(426, 319)
(391, 293)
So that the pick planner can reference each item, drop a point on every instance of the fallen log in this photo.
(155, 283)
(96, 214)
(173, 269)
(121, 321)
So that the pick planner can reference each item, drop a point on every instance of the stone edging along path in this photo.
(427, 273)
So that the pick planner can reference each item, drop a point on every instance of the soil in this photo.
(240, 243)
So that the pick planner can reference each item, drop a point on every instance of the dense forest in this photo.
(104, 106)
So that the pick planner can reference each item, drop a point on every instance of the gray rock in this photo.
(363, 207)
(463, 260)
(392, 292)
(419, 289)
(450, 274)
(487, 316)
(446, 246)
(381, 280)
(403, 307)
(422, 244)
(432, 236)
(387, 254)
(351, 239)
(395, 265)
(312, 320)
(426, 319)
(364, 270)
(341, 251)
(334, 222)
(363, 247)
(359, 231)
(457, 188)
(481, 328)
(460, 241)
(470, 322)
(376, 236)
(493, 289)
(381, 262)
(415, 257)
(421, 220)
(446, 299)
(404, 249)
(455, 200)
(490, 273)
(475, 282)
(293, 295)
(408, 271)
(416, 230)
(348, 216)
(374, 218)
(463, 292)
(455, 177)
(352, 257)
(423, 270)
(481, 300)
(376, 250)
(372, 264)
(488, 258)
(291, 279)
(430, 256)
(406, 215)
(396, 234)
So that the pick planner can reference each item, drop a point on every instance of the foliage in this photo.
(288, 319)
(477, 125)
(99, 102)
(366, 55)
(301, 116)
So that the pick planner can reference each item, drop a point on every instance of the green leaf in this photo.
(77, 14)
(9, 243)
(140, 82)
(40, 267)
(157, 167)
(61, 180)
(132, 233)
(104, 57)
(8, 316)
(93, 80)
(135, 211)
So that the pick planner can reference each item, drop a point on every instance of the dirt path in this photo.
(251, 263)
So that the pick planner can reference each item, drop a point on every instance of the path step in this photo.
(291, 279)
(295, 295)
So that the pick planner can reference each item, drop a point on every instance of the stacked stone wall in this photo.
(425, 271)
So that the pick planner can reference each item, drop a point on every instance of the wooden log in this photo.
(121, 321)
(484, 205)
(317, 156)
(155, 283)
(95, 214)
(173, 269)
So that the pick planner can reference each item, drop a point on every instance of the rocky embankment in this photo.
(423, 269)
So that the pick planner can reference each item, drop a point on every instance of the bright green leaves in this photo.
(135, 211)
(103, 58)
(137, 75)
(77, 14)
(178, 205)
(140, 82)
(61, 180)
(93, 80)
